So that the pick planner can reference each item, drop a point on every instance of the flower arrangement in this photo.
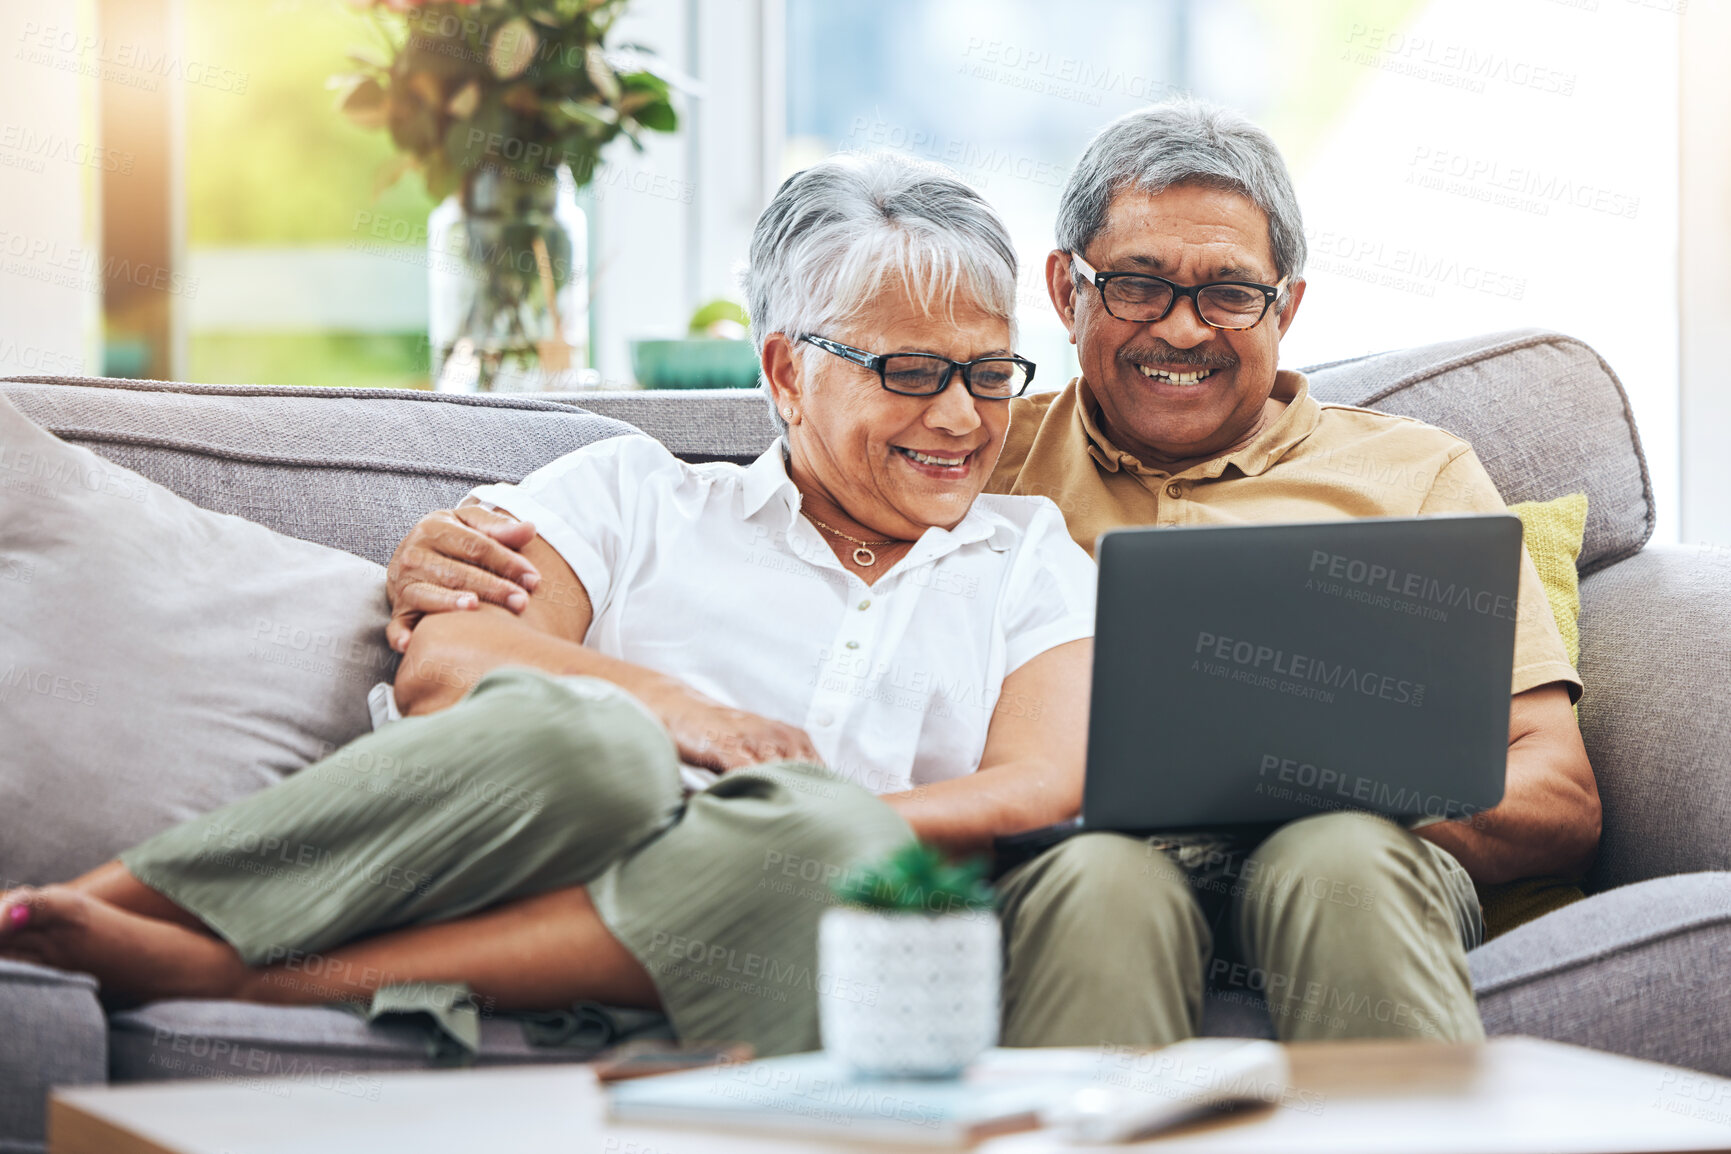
(521, 86)
(918, 879)
(492, 100)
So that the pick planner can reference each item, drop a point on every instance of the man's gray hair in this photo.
(837, 233)
(1183, 142)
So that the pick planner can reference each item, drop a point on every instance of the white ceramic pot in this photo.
(908, 994)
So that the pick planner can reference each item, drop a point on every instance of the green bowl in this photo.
(698, 363)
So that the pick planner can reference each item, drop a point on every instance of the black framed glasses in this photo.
(927, 375)
(1141, 298)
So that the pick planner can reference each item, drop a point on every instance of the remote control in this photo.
(1157, 1088)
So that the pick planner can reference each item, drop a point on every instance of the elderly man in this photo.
(1179, 267)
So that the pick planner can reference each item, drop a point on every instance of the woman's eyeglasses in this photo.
(927, 375)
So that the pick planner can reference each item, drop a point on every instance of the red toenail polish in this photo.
(18, 915)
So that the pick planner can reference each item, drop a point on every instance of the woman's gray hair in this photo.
(838, 232)
(1183, 142)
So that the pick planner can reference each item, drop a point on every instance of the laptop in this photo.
(1257, 674)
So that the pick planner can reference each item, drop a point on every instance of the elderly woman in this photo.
(864, 646)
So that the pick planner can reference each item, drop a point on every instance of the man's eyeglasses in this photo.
(926, 375)
(1142, 299)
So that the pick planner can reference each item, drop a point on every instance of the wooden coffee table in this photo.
(1509, 1096)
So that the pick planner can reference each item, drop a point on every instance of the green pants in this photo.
(1348, 925)
(534, 783)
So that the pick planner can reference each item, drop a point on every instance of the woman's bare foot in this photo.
(517, 956)
(23, 913)
(134, 958)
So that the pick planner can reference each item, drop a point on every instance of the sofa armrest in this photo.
(1655, 635)
(52, 1033)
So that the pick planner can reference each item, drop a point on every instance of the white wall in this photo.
(1508, 165)
(671, 223)
(1704, 272)
(50, 259)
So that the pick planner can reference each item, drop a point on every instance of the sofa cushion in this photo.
(157, 660)
(329, 1047)
(1544, 412)
(696, 424)
(348, 468)
(51, 1034)
(1656, 717)
(1638, 970)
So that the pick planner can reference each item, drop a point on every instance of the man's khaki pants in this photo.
(1347, 924)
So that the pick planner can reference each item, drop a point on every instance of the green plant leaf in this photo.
(528, 77)
(918, 879)
(465, 146)
(414, 125)
(521, 99)
(463, 105)
(601, 75)
(425, 87)
(589, 115)
(365, 103)
(657, 117)
(646, 82)
(720, 309)
(512, 48)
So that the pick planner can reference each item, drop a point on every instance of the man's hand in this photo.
(719, 738)
(455, 559)
(1548, 822)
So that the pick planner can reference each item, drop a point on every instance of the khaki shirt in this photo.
(1316, 462)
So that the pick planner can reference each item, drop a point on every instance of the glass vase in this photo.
(508, 285)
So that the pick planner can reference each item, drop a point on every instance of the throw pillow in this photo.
(157, 660)
(1553, 531)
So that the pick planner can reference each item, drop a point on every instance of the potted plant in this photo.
(714, 354)
(909, 966)
(504, 107)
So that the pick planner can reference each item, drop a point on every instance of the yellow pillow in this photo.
(1553, 531)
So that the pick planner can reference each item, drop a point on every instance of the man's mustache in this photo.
(1165, 354)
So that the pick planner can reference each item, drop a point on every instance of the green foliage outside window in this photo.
(278, 164)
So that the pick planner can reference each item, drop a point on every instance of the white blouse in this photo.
(708, 573)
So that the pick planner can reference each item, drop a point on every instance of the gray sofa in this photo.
(1640, 968)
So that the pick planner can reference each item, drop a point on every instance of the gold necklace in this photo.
(862, 555)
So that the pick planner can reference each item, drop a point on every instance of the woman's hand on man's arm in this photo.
(449, 652)
(1030, 773)
(456, 559)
